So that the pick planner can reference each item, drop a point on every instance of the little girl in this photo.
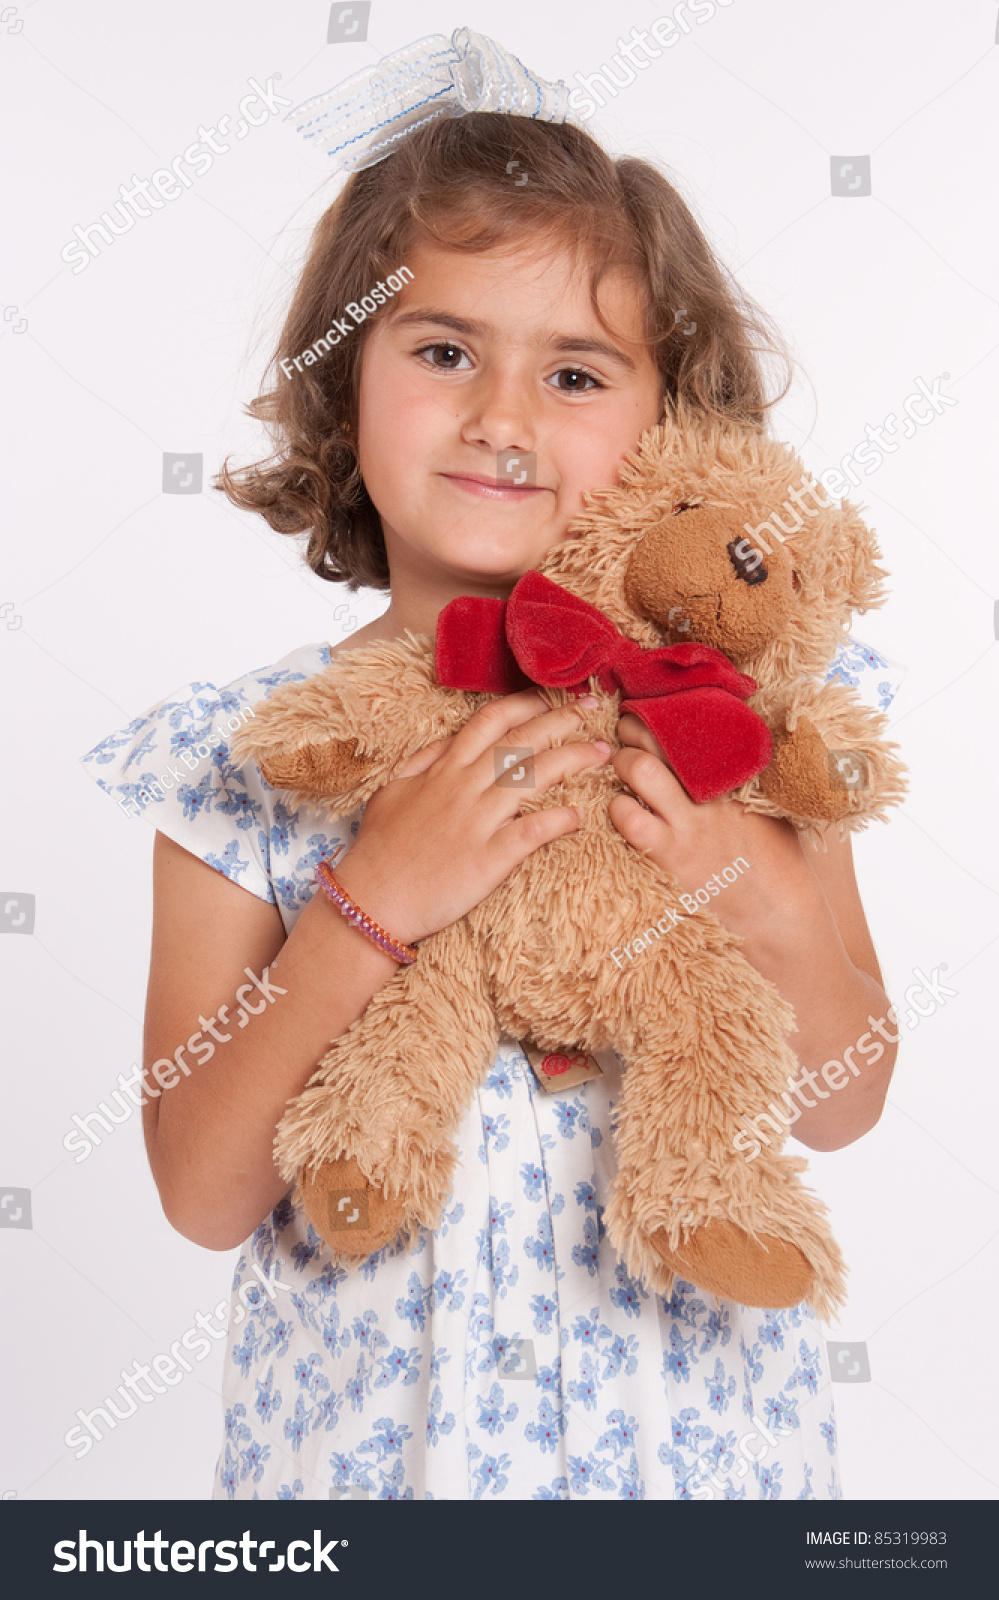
(509, 1356)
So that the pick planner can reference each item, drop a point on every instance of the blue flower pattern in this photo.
(876, 679)
(509, 1355)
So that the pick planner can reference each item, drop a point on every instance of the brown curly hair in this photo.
(457, 183)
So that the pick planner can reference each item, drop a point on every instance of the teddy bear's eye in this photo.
(747, 561)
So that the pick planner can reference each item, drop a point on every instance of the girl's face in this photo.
(482, 357)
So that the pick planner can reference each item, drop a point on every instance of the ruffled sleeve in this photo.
(876, 679)
(172, 767)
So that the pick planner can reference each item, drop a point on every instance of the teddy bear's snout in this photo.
(701, 577)
(695, 615)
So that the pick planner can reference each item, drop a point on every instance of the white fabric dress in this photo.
(509, 1356)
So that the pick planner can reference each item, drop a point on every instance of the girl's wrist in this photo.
(378, 901)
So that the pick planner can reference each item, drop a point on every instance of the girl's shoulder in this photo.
(172, 766)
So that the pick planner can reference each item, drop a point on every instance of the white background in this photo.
(125, 594)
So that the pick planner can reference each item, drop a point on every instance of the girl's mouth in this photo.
(490, 489)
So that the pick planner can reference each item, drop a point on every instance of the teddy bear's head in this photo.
(716, 534)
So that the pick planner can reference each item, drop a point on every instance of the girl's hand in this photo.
(694, 842)
(438, 838)
(820, 959)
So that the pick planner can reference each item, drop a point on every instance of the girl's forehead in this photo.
(530, 258)
(510, 284)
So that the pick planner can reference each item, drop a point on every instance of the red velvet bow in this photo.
(689, 696)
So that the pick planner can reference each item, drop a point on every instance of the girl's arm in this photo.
(820, 956)
(432, 843)
(802, 925)
(209, 1135)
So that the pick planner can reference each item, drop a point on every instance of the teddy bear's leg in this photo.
(692, 1199)
(371, 1137)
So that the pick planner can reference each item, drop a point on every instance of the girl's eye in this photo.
(446, 357)
(577, 380)
(451, 354)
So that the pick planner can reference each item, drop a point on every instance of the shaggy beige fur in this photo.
(704, 1036)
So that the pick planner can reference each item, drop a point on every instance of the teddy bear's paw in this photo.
(349, 1211)
(806, 779)
(723, 1260)
(330, 768)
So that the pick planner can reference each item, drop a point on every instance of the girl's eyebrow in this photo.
(564, 343)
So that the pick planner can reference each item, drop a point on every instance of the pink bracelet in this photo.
(405, 954)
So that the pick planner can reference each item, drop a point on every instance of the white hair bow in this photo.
(361, 120)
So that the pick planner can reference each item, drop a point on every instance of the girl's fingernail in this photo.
(602, 746)
(589, 700)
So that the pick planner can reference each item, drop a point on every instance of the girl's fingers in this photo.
(631, 730)
(531, 733)
(520, 837)
(524, 757)
(652, 781)
(528, 713)
(517, 772)
(638, 826)
(424, 758)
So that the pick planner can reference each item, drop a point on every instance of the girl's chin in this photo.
(476, 549)
(497, 572)
(499, 558)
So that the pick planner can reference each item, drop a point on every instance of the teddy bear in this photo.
(674, 596)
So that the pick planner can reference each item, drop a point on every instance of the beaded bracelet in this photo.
(405, 954)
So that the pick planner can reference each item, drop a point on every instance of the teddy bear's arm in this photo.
(313, 740)
(831, 763)
(339, 736)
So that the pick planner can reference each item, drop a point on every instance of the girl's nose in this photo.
(500, 415)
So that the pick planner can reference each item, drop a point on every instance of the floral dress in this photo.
(509, 1355)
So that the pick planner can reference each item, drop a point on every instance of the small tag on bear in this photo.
(556, 1070)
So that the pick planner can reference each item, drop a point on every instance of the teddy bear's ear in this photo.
(853, 573)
